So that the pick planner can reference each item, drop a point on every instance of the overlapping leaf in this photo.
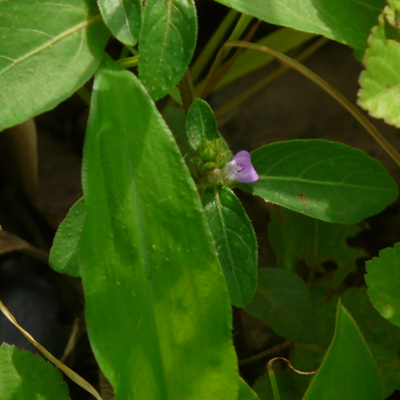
(235, 241)
(157, 306)
(245, 391)
(167, 43)
(24, 375)
(322, 179)
(380, 82)
(48, 51)
(347, 21)
(286, 386)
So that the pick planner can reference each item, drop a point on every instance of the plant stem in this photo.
(128, 62)
(187, 91)
(265, 353)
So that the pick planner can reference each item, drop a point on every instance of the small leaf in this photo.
(201, 124)
(235, 241)
(322, 179)
(245, 391)
(283, 302)
(123, 18)
(383, 280)
(380, 81)
(286, 386)
(295, 237)
(65, 249)
(48, 51)
(26, 376)
(166, 44)
(348, 371)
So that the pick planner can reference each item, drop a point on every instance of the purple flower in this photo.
(240, 169)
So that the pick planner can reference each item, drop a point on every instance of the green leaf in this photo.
(348, 371)
(322, 179)
(65, 250)
(383, 280)
(380, 81)
(283, 302)
(48, 51)
(166, 44)
(150, 272)
(286, 386)
(347, 21)
(201, 124)
(235, 242)
(245, 391)
(123, 18)
(26, 376)
(295, 237)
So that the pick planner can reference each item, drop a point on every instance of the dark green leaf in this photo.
(347, 21)
(65, 249)
(322, 179)
(380, 82)
(383, 280)
(48, 51)
(245, 391)
(286, 386)
(348, 371)
(201, 124)
(235, 241)
(157, 306)
(123, 18)
(283, 302)
(295, 237)
(166, 44)
(25, 376)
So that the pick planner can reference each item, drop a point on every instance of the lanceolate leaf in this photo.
(123, 18)
(157, 306)
(380, 82)
(347, 21)
(286, 386)
(245, 391)
(65, 249)
(348, 371)
(283, 302)
(235, 241)
(166, 44)
(26, 376)
(322, 179)
(383, 280)
(48, 51)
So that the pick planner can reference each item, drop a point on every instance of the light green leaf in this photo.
(201, 124)
(235, 242)
(65, 249)
(383, 280)
(24, 375)
(157, 306)
(348, 371)
(123, 18)
(322, 179)
(286, 386)
(48, 51)
(295, 237)
(166, 44)
(347, 21)
(245, 391)
(380, 81)
(283, 302)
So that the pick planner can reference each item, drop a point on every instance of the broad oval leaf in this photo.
(64, 252)
(235, 241)
(347, 21)
(166, 44)
(123, 18)
(24, 375)
(201, 124)
(157, 306)
(348, 370)
(322, 179)
(48, 51)
(380, 81)
(283, 301)
(383, 280)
